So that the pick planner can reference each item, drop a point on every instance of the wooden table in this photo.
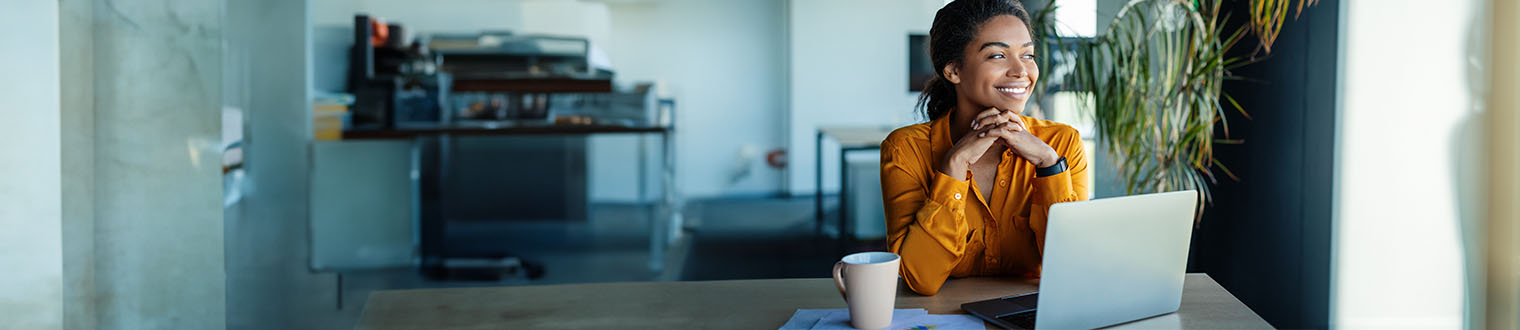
(744, 304)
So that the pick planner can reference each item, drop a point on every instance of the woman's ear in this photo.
(952, 73)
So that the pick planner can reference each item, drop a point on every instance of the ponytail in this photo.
(937, 99)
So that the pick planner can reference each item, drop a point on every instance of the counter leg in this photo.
(818, 184)
(844, 196)
(677, 224)
(656, 230)
(430, 220)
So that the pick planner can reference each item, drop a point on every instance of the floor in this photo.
(724, 239)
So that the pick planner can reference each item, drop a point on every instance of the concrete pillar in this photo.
(148, 77)
(110, 165)
(77, 70)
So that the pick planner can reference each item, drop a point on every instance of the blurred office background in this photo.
(267, 164)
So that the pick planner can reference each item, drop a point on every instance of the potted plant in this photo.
(1153, 85)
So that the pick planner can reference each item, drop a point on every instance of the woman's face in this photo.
(999, 67)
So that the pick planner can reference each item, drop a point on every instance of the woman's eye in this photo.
(996, 56)
(1029, 56)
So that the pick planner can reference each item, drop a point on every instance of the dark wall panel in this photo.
(1267, 236)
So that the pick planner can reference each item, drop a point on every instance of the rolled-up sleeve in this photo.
(1068, 186)
(926, 217)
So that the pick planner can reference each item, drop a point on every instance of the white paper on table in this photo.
(911, 319)
(940, 322)
(805, 319)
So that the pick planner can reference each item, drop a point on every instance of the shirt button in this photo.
(957, 196)
(1003, 183)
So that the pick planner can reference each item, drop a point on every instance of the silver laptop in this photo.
(1107, 261)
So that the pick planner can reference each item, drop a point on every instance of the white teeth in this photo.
(1015, 90)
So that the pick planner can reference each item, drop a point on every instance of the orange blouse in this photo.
(944, 227)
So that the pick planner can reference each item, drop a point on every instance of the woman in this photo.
(941, 223)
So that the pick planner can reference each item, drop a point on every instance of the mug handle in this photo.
(839, 279)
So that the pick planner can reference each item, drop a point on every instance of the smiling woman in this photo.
(939, 222)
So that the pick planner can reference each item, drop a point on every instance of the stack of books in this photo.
(330, 116)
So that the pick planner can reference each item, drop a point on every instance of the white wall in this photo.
(722, 62)
(567, 17)
(1407, 138)
(848, 66)
(31, 248)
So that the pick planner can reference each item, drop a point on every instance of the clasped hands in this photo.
(995, 126)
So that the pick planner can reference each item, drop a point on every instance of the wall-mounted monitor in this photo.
(920, 70)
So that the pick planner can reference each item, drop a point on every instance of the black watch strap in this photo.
(1060, 166)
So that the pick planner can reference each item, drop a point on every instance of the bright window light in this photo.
(1077, 18)
(1071, 108)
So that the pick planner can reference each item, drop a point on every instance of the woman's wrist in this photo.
(953, 167)
(1046, 159)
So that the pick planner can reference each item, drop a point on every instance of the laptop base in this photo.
(1011, 312)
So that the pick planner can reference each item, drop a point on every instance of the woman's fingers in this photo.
(1018, 121)
(999, 117)
(993, 116)
(1028, 147)
(989, 121)
(985, 114)
(1012, 138)
(985, 137)
(988, 113)
(993, 133)
(1012, 126)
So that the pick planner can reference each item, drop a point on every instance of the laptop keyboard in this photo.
(1013, 312)
(1024, 316)
(1021, 320)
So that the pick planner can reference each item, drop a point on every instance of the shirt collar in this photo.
(939, 136)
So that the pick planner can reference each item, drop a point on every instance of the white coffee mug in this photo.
(868, 282)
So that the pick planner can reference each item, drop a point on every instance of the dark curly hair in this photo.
(954, 27)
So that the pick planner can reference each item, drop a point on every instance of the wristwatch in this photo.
(1057, 168)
